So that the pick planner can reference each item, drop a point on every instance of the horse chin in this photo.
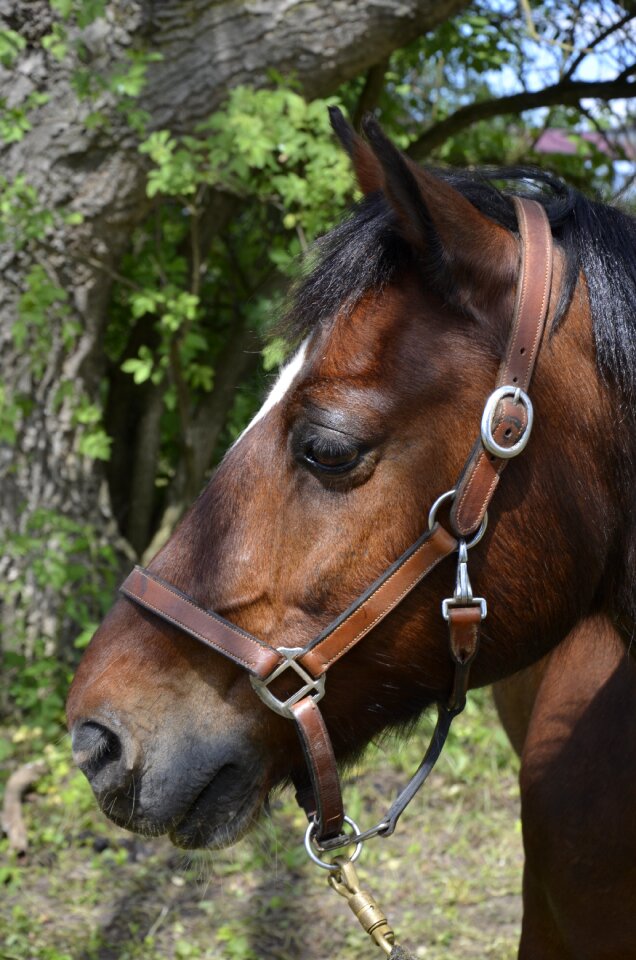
(208, 825)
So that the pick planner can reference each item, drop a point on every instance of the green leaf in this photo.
(11, 45)
(95, 445)
(55, 42)
(145, 301)
(89, 10)
(74, 218)
(141, 369)
(274, 353)
(88, 413)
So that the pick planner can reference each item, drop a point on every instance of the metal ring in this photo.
(450, 495)
(480, 532)
(309, 839)
(489, 442)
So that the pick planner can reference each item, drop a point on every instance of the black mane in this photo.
(366, 250)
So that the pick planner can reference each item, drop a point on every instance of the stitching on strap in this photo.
(387, 610)
(186, 627)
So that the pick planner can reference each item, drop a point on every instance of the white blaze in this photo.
(285, 379)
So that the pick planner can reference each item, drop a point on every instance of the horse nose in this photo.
(102, 755)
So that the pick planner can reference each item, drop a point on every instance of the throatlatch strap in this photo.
(480, 476)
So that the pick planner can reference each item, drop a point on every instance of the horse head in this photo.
(399, 328)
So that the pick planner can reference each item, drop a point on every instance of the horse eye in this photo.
(334, 463)
(329, 455)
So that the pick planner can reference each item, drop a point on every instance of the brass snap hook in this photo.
(344, 880)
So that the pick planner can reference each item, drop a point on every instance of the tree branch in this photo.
(143, 469)
(567, 93)
(12, 821)
(373, 86)
(595, 42)
(238, 359)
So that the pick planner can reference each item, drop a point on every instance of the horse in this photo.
(571, 718)
(180, 709)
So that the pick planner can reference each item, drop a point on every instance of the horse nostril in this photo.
(94, 747)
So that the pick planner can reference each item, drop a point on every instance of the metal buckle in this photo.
(489, 442)
(283, 707)
(463, 595)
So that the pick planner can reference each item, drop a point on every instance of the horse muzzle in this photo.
(204, 794)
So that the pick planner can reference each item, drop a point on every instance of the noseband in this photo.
(505, 429)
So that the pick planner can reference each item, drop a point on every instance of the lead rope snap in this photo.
(344, 880)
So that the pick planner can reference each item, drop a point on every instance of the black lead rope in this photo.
(387, 825)
(444, 719)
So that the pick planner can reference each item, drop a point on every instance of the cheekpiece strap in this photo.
(507, 418)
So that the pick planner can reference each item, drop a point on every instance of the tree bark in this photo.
(207, 47)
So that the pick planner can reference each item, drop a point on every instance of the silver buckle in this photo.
(463, 595)
(283, 707)
(489, 442)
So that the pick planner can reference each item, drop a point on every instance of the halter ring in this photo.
(450, 495)
(310, 844)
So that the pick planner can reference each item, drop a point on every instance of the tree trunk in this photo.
(207, 47)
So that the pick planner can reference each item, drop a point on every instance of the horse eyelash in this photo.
(327, 446)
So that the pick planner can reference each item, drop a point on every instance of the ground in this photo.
(449, 879)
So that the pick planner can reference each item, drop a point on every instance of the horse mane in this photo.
(365, 251)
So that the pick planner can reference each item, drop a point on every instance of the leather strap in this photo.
(464, 624)
(323, 801)
(481, 474)
(321, 797)
(246, 650)
(378, 601)
(174, 607)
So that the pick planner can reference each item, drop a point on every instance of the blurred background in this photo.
(165, 167)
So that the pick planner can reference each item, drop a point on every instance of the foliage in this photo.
(68, 556)
(493, 49)
(273, 151)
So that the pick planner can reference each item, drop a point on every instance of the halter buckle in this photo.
(283, 707)
(518, 396)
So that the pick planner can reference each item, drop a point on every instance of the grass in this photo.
(449, 879)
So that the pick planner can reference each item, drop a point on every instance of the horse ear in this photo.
(464, 249)
(365, 164)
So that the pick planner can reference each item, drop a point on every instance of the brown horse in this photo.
(572, 718)
(402, 324)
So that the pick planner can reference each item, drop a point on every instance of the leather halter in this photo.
(505, 429)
